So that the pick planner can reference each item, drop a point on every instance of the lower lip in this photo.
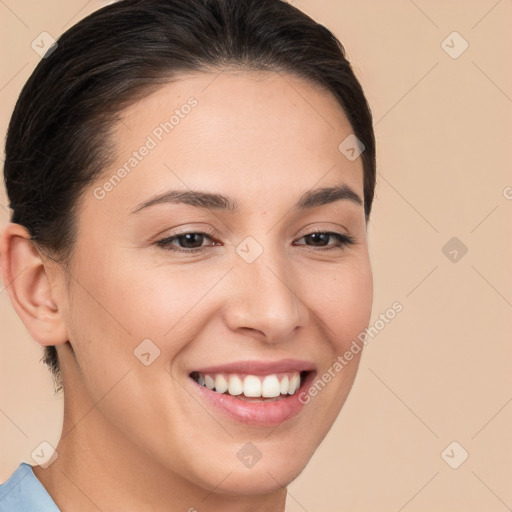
(256, 413)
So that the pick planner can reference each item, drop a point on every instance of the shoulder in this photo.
(23, 491)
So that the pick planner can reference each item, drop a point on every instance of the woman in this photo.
(190, 184)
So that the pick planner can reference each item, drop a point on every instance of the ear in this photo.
(27, 279)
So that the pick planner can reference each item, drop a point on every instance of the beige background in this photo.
(440, 371)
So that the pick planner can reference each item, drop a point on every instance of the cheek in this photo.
(132, 301)
(343, 302)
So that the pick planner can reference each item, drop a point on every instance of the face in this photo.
(184, 288)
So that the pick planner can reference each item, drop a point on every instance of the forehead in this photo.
(258, 134)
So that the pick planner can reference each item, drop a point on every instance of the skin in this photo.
(139, 437)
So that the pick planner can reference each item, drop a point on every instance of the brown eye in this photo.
(320, 239)
(187, 242)
(192, 241)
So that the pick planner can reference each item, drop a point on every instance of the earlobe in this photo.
(27, 279)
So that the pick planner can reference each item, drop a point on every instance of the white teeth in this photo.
(235, 385)
(270, 387)
(294, 384)
(209, 382)
(252, 386)
(285, 385)
(221, 384)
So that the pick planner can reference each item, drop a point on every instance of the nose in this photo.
(263, 302)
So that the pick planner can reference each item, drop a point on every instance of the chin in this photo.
(264, 480)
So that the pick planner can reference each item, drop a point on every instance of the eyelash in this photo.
(343, 241)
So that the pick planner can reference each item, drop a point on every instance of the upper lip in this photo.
(259, 367)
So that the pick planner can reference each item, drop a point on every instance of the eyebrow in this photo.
(310, 199)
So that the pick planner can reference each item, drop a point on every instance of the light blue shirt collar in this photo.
(24, 492)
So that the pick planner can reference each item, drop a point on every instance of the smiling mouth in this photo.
(252, 388)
